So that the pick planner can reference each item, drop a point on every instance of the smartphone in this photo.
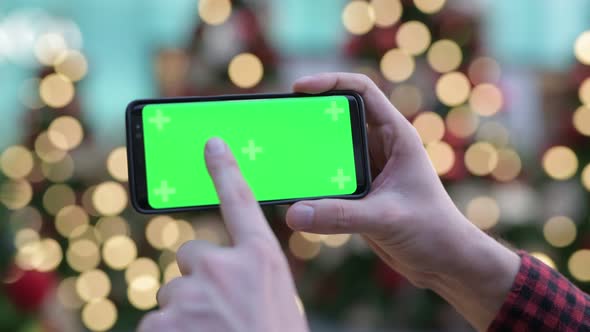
(289, 147)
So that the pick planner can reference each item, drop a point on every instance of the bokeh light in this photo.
(142, 292)
(358, 17)
(46, 150)
(26, 217)
(508, 167)
(48, 47)
(444, 56)
(16, 162)
(65, 132)
(67, 294)
(387, 12)
(302, 248)
(413, 37)
(407, 98)
(584, 92)
(335, 240)
(586, 177)
(397, 65)
(71, 221)
(493, 132)
(430, 127)
(453, 88)
(481, 158)
(99, 315)
(185, 233)
(483, 212)
(59, 171)
(582, 48)
(215, 12)
(172, 271)
(119, 251)
(441, 156)
(108, 227)
(155, 234)
(109, 198)
(579, 265)
(484, 70)
(543, 258)
(245, 70)
(117, 164)
(56, 197)
(560, 231)
(83, 255)
(56, 90)
(462, 122)
(486, 99)
(16, 194)
(93, 285)
(560, 162)
(87, 203)
(142, 266)
(72, 64)
(429, 6)
(581, 120)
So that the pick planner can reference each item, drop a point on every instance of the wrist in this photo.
(478, 275)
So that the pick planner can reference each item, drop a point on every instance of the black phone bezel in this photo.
(136, 152)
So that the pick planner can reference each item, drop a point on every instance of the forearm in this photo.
(479, 279)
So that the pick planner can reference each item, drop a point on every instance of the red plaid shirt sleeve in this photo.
(542, 300)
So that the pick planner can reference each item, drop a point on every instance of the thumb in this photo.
(334, 216)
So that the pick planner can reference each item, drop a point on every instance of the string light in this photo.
(453, 88)
(117, 164)
(56, 197)
(26, 217)
(581, 120)
(441, 156)
(430, 127)
(185, 233)
(585, 92)
(245, 70)
(560, 231)
(83, 255)
(407, 98)
(109, 198)
(16, 162)
(560, 162)
(462, 122)
(508, 167)
(65, 132)
(142, 292)
(48, 47)
(215, 12)
(484, 70)
(93, 285)
(586, 177)
(486, 99)
(582, 48)
(483, 211)
(16, 194)
(72, 64)
(358, 17)
(87, 201)
(335, 240)
(494, 132)
(429, 6)
(67, 295)
(387, 12)
(142, 266)
(56, 90)
(172, 271)
(413, 37)
(99, 315)
(397, 65)
(71, 221)
(544, 258)
(154, 232)
(119, 251)
(60, 171)
(579, 265)
(108, 227)
(303, 249)
(48, 151)
(481, 158)
(444, 56)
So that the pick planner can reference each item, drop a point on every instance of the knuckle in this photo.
(343, 218)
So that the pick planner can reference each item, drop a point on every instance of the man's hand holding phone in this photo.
(247, 287)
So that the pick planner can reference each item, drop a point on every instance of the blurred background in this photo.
(498, 90)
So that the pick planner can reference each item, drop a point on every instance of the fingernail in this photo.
(215, 146)
(302, 216)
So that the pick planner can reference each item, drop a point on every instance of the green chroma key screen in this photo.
(286, 148)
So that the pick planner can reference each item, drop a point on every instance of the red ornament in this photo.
(27, 289)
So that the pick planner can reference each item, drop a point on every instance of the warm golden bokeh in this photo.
(453, 88)
(462, 122)
(48, 47)
(83, 255)
(444, 56)
(56, 90)
(93, 285)
(413, 37)
(71, 221)
(142, 292)
(142, 266)
(72, 64)
(441, 156)
(481, 158)
(429, 6)
(245, 70)
(119, 251)
(586, 177)
(581, 120)
(560, 231)
(215, 12)
(16, 162)
(117, 164)
(109, 198)
(387, 12)
(508, 167)
(16, 194)
(397, 65)
(579, 265)
(59, 171)
(430, 127)
(560, 162)
(484, 70)
(582, 48)
(65, 132)
(483, 212)
(407, 98)
(358, 17)
(302, 248)
(46, 150)
(67, 294)
(486, 99)
(584, 92)
(99, 315)
(56, 197)
(543, 258)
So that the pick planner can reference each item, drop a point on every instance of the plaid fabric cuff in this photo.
(541, 299)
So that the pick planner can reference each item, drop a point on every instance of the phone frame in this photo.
(136, 147)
